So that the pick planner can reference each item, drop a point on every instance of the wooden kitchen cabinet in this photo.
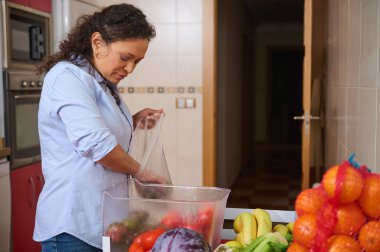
(26, 185)
(42, 5)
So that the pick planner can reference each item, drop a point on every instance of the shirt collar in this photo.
(88, 68)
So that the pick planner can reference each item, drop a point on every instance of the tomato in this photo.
(135, 247)
(205, 216)
(194, 226)
(117, 232)
(147, 239)
(151, 237)
(172, 220)
(139, 239)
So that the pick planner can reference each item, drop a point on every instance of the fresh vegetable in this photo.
(172, 219)
(117, 232)
(135, 247)
(148, 238)
(181, 240)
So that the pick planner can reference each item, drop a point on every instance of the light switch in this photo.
(180, 102)
(190, 102)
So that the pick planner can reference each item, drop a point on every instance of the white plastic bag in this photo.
(146, 148)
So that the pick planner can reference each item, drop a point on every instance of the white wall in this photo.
(353, 89)
(173, 64)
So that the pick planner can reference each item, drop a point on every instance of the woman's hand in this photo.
(147, 176)
(143, 114)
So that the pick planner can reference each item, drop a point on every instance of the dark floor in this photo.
(272, 181)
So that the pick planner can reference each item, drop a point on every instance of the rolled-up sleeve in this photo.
(75, 102)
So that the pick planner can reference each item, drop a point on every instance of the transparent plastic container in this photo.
(143, 207)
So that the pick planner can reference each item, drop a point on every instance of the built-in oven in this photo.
(22, 96)
(26, 35)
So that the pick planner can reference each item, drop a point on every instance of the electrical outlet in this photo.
(180, 103)
(190, 102)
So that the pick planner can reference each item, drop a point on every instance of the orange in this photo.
(296, 247)
(351, 187)
(305, 229)
(310, 201)
(340, 243)
(369, 200)
(350, 219)
(369, 236)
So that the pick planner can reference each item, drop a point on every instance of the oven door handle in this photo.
(27, 96)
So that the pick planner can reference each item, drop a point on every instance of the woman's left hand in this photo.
(156, 113)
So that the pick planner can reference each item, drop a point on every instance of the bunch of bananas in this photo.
(255, 233)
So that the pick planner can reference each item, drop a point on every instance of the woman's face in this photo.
(118, 59)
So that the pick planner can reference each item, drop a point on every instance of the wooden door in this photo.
(313, 67)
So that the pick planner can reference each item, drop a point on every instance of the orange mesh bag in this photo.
(345, 218)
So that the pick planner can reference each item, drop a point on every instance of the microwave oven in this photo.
(26, 36)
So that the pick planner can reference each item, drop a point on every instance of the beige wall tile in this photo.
(162, 11)
(189, 40)
(369, 44)
(354, 8)
(344, 42)
(155, 71)
(164, 44)
(353, 119)
(367, 126)
(353, 57)
(189, 11)
(189, 70)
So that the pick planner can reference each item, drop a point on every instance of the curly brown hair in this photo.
(114, 23)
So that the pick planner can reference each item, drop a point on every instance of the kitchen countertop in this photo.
(4, 152)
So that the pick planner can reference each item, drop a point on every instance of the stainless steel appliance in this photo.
(22, 95)
(26, 35)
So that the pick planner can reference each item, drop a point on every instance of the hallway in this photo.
(272, 181)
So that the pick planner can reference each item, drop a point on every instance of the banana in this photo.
(234, 245)
(245, 226)
(282, 229)
(264, 222)
(290, 226)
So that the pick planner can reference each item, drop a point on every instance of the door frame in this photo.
(315, 17)
(209, 92)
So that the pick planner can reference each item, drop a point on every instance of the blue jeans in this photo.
(67, 243)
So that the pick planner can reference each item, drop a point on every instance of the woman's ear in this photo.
(97, 43)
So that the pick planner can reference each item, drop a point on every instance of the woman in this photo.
(85, 129)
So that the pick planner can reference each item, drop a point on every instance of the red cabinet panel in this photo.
(42, 5)
(22, 2)
(26, 185)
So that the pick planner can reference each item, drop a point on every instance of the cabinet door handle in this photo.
(31, 181)
(41, 179)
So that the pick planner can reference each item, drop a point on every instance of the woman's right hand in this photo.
(147, 176)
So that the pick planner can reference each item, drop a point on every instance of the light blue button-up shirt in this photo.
(79, 122)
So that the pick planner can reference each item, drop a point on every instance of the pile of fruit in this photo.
(139, 232)
(342, 214)
(255, 234)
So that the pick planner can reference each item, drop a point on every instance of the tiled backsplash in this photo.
(353, 89)
(172, 70)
